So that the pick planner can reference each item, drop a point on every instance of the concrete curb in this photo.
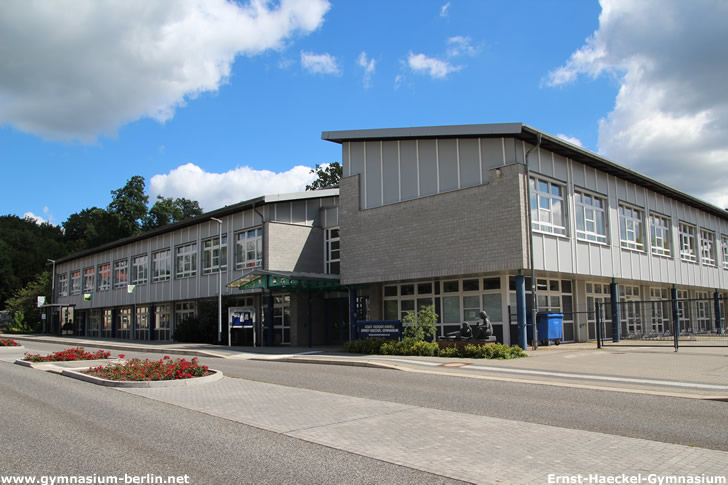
(325, 361)
(8, 348)
(146, 384)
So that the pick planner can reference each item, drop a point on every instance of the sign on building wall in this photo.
(389, 329)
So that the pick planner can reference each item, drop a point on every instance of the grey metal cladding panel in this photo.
(373, 182)
(546, 162)
(509, 144)
(448, 164)
(591, 179)
(408, 169)
(345, 162)
(561, 170)
(283, 212)
(390, 171)
(313, 211)
(602, 184)
(298, 212)
(357, 158)
(469, 162)
(577, 174)
(428, 167)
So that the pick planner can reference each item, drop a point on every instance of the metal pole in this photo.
(534, 308)
(219, 280)
(598, 323)
(53, 292)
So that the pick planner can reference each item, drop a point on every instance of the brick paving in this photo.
(467, 447)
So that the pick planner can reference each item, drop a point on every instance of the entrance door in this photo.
(282, 319)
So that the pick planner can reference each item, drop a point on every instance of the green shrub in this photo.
(450, 352)
(500, 351)
(492, 351)
(409, 346)
(365, 346)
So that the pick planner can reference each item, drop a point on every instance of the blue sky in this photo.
(220, 102)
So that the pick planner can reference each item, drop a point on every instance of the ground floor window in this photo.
(598, 293)
(552, 295)
(281, 320)
(703, 312)
(95, 321)
(123, 329)
(106, 323)
(660, 311)
(163, 322)
(142, 323)
(184, 310)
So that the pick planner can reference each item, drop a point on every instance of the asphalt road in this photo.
(56, 426)
(667, 419)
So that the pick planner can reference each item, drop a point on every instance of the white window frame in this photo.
(184, 310)
(587, 212)
(688, 249)
(724, 244)
(185, 260)
(63, 284)
(543, 203)
(210, 254)
(89, 279)
(139, 269)
(104, 278)
(121, 267)
(707, 247)
(76, 282)
(161, 265)
(332, 250)
(243, 259)
(660, 235)
(631, 227)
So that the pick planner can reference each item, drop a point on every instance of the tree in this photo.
(93, 227)
(23, 305)
(167, 210)
(130, 204)
(421, 325)
(327, 175)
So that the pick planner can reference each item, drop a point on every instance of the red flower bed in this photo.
(165, 369)
(7, 342)
(69, 354)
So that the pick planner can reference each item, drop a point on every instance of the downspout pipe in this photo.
(529, 225)
(269, 307)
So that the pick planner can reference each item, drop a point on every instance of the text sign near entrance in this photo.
(389, 329)
(241, 317)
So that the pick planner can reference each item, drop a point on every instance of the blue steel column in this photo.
(616, 326)
(716, 305)
(521, 310)
(352, 313)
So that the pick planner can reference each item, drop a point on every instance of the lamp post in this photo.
(219, 280)
(53, 289)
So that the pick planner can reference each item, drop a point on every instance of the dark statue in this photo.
(482, 331)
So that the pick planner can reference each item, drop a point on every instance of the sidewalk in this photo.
(700, 373)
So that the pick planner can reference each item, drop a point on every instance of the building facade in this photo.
(457, 217)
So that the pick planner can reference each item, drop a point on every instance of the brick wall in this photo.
(475, 230)
(290, 247)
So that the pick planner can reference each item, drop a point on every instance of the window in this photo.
(591, 220)
(186, 260)
(104, 280)
(631, 235)
(660, 235)
(724, 244)
(687, 243)
(139, 270)
(184, 311)
(121, 273)
(249, 249)
(163, 322)
(76, 282)
(211, 255)
(333, 251)
(63, 284)
(161, 265)
(707, 247)
(88, 280)
(548, 213)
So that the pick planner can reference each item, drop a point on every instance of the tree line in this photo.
(26, 246)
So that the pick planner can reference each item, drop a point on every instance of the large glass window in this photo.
(211, 255)
(123, 328)
(186, 260)
(104, 276)
(688, 250)
(139, 270)
(121, 273)
(184, 310)
(249, 249)
(89, 280)
(333, 251)
(163, 322)
(707, 247)
(76, 282)
(63, 284)
(660, 235)
(591, 219)
(631, 235)
(548, 210)
(161, 265)
(724, 244)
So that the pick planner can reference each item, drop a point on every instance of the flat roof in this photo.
(529, 135)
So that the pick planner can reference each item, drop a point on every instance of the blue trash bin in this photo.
(549, 326)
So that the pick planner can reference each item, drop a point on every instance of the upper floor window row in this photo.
(548, 207)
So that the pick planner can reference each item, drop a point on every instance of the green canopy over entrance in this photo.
(263, 279)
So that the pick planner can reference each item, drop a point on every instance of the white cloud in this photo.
(570, 139)
(435, 68)
(78, 70)
(459, 46)
(444, 9)
(319, 63)
(368, 65)
(38, 219)
(216, 190)
(670, 119)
